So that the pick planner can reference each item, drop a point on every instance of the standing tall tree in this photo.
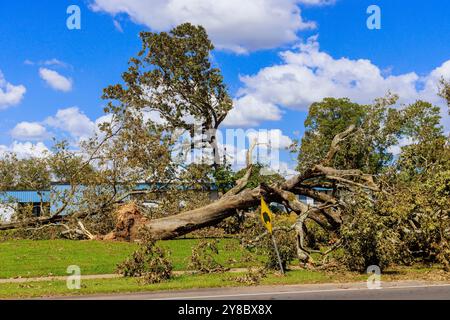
(173, 76)
(379, 129)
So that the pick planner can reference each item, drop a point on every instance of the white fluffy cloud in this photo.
(307, 75)
(249, 111)
(31, 131)
(10, 95)
(274, 138)
(70, 122)
(55, 80)
(73, 121)
(25, 149)
(236, 25)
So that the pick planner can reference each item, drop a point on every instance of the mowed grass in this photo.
(125, 285)
(26, 258)
(196, 281)
(44, 258)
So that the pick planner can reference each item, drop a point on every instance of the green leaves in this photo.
(367, 149)
(149, 262)
(203, 258)
(173, 75)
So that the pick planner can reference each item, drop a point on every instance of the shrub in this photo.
(203, 258)
(149, 262)
(370, 239)
(286, 247)
(254, 238)
(253, 276)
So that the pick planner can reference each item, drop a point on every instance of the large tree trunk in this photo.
(210, 215)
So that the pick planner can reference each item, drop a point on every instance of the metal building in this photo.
(12, 201)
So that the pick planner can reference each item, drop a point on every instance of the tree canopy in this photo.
(173, 77)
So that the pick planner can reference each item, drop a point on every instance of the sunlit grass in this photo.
(26, 258)
(123, 285)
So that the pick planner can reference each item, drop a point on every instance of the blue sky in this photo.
(277, 57)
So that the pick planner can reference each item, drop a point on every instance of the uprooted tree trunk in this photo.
(129, 221)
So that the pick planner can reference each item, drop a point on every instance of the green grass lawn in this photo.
(192, 281)
(44, 258)
(26, 258)
(122, 285)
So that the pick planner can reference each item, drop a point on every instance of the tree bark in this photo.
(186, 222)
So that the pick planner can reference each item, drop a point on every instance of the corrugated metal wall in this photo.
(25, 196)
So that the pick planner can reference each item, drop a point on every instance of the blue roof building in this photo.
(25, 196)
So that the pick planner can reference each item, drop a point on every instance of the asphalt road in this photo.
(410, 290)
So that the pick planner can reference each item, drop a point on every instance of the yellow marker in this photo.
(266, 215)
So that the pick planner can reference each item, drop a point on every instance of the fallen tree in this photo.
(328, 214)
